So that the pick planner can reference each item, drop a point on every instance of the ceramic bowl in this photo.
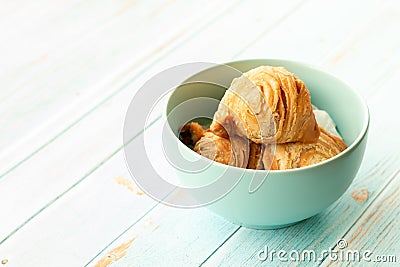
(285, 196)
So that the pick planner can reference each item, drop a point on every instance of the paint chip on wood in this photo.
(128, 184)
(360, 195)
(115, 254)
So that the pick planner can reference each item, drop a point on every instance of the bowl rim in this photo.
(350, 148)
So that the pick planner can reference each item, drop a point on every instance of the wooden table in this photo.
(67, 74)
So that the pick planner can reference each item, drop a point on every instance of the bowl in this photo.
(283, 197)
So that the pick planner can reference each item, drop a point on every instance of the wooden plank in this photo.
(321, 232)
(321, 27)
(104, 228)
(172, 232)
(72, 25)
(58, 167)
(82, 142)
(11, 13)
(42, 177)
(36, 138)
(95, 199)
(322, 225)
(366, 49)
(50, 93)
(383, 166)
(68, 170)
(377, 230)
(162, 232)
(146, 245)
(337, 35)
(244, 244)
(76, 217)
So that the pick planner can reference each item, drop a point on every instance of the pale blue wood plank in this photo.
(318, 233)
(381, 164)
(71, 142)
(73, 227)
(377, 230)
(78, 133)
(324, 235)
(82, 165)
(314, 26)
(334, 217)
(224, 236)
(359, 37)
(184, 239)
(79, 65)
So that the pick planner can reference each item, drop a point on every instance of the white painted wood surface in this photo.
(68, 72)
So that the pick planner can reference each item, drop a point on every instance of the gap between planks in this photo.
(78, 182)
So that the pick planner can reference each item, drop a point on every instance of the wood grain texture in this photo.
(79, 143)
(81, 213)
(317, 233)
(314, 27)
(73, 168)
(357, 38)
(331, 231)
(44, 178)
(77, 68)
(378, 229)
(323, 230)
(160, 232)
(48, 185)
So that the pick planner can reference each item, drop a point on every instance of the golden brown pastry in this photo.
(226, 148)
(233, 151)
(268, 105)
(264, 121)
(214, 147)
(296, 155)
(190, 133)
(270, 156)
(255, 157)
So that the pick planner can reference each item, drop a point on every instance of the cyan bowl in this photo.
(286, 196)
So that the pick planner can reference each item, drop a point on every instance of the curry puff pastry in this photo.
(236, 152)
(265, 121)
(297, 155)
(268, 105)
(233, 150)
(190, 133)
